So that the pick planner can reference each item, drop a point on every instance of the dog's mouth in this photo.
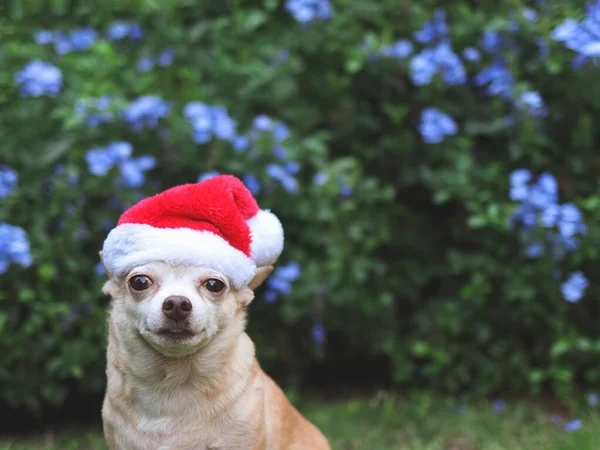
(176, 334)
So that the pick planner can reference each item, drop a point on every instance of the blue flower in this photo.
(519, 179)
(208, 175)
(292, 167)
(279, 173)
(281, 280)
(166, 57)
(14, 247)
(252, 183)
(224, 127)
(583, 37)
(83, 38)
(305, 11)
(346, 190)
(262, 123)
(492, 41)
(44, 37)
(145, 112)
(99, 269)
(320, 178)
(530, 14)
(573, 425)
(499, 405)
(544, 192)
(497, 78)
(440, 59)
(556, 419)
(8, 180)
(401, 49)
(132, 171)
(450, 64)
(279, 152)
(592, 400)
(94, 110)
(120, 30)
(574, 288)
(433, 30)
(535, 249)
(101, 160)
(532, 102)
(39, 78)
(570, 220)
(80, 39)
(471, 54)
(423, 67)
(241, 143)
(145, 64)
(281, 132)
(318, 333)
(210, 121)
(436, 125)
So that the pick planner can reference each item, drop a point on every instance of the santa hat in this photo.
(214, 223)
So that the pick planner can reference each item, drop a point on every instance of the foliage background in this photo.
(405, 248)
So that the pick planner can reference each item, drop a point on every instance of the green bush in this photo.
(403, 235)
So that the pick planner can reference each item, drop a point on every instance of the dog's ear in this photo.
(262, 273)
(104, 265)
(246, 295)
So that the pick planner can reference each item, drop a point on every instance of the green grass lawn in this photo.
(386, 422)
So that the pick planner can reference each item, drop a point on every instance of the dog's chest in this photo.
(181, 420)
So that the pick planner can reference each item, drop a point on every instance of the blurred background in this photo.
(435, 165)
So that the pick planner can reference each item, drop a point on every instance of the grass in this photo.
(386, 422)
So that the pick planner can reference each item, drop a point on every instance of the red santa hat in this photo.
(214, 223)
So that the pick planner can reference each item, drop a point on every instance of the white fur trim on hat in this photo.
(267, 237)
(130, 245)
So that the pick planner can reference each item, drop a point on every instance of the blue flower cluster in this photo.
(574, 287)
(8, 180)
(433, 30)
(497, 79)
(563, 223)
(280, 282)
(436, 125)
(39, 78)
(284, 174)
(471, 54)
(532, 103)
(146, 111)
(101, 160)
(75, 40)
(305, 11)
(94, 110)
(210, 122)
(437, 58)
(250, 180)
(14, 247)
(164, 59)
(583, 36)
(120, 30)
(400, 49)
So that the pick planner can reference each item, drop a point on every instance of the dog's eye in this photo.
(214, 285)
(140, 282)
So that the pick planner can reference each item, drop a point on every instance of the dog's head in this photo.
(179, 309)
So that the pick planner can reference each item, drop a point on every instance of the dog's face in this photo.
(179, 309)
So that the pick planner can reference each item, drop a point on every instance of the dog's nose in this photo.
(177, 307)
